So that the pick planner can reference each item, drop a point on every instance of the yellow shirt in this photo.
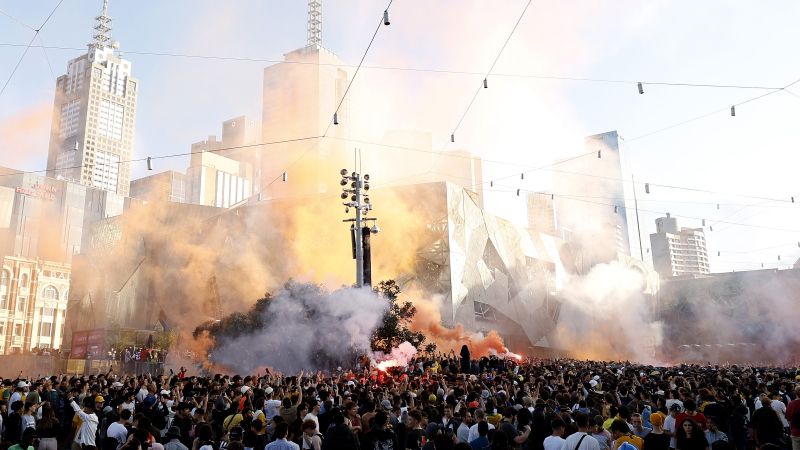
(635, 440)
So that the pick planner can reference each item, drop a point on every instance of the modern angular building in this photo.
(678, 250)
(94, 116)
(596, 197)
(44, 226)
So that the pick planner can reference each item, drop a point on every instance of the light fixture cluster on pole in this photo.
(356, 188)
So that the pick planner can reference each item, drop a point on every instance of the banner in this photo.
(79, 339)
(78, 352)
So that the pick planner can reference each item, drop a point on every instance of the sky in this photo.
(745, 164)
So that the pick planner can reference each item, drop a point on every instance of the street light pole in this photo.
(359, 199)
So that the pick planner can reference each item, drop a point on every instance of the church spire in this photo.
(314, 22)
(102, 28)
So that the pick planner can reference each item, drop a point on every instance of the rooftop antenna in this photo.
(314, 23)
(102, 28)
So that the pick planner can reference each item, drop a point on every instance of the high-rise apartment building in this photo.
(597, 200)
(301, 95)
(542, 213)
(168, 186)
(678, 251)
(94, 115)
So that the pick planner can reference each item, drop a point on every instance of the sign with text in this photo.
(78, 352)
(79, 339)
(40, 191)
(95, 337)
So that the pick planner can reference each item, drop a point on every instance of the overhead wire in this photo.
(415, 69)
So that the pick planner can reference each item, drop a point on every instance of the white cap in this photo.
(596, 377)
(268, 390)
(22, 384)
(164, 392)
(247, 388)
(592, 383)
(118, 384)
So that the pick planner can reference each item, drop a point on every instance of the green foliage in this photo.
(396, 319)
(117, 337)
(164, 340)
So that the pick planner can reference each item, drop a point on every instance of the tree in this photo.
(165, 339)
(396, 319)
(117, 337)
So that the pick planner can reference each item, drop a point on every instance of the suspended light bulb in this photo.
(733, 110)
(517, 192)
(647, 188)
(285, 176)
(704, 222)
(553, 197)
(762, 265)
(386, 18)
(792, 199)
(452, 137)
(641, 90)
(149, 163)
(522, 176)
(615, 209)
(711, 227)
(599, 153)
(779, 257)
(491, 184)
(717, 205)
(718, 253)
(485, 83)
(335, 118)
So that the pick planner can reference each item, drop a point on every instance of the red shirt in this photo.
(699, 418)
(791, 410)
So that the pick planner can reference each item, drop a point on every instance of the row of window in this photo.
(48, 292)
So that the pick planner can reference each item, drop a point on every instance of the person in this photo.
(719, 411)
(463, 430)
(173, 438)
(465, 364)
(416, 437)
(85, 435)
(482, 441)
(600, 434)
(339, 435)
(260, 441)
(639, 429)
(379, 436)
(280, 442)
(480, 416)
(119, 429)
(671, 423)
(14, 423)
(26, 443)
(313, 413)
(311, 439)
(554, 441)
(621, 433)
(793, 417)
(767, 424)
(578, 440)
(507, 427)
(689, 435)
(431, 431)
(713, 434)
(657, 439)
(183, 420)
(691, 412)
(48, 429)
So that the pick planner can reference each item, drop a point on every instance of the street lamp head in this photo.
(344, 195)
(366, 200)
(343, 172)
(353, 198)
(353, 185)
(366, 177)
(366, 186)
(343, 182)
(346, 209)
(375, 229)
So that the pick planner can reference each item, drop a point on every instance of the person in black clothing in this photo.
(718, 411)
(14, 423)
(378, 436)
(294, 428)
(738, 423)
(339, 435)
(183, 421)
(465, 365)
(689, 436)
(260, 441)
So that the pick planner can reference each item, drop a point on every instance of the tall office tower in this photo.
(596, 201)
(240, 138)
(214, 180)
(678, 251)
(407, 157)
(542, 213)
(301, 95)
(169, 186)
(94, 114)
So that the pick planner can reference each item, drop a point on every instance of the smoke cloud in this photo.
(607, 315)
(305, 328)
(21, 135)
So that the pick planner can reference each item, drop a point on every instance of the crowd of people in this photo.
(434, 403)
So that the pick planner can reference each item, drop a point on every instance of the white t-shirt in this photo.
(310, 416)
(271, 409)
(473, 432)
(669, 425)
(553, 443)
(118, 432)
(778, 405)
(571, 442)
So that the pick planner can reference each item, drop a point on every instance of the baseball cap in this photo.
(247, 388)
(676, 407)
(99, 399)
(268, 390)
(473, 404)
(22, 384)
(432, 398)
(386, 404)
(431, 430)
(592, 383)
(117, 384)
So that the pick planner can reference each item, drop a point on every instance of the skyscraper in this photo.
(595, 199)
(542, 213)
(94, 114)
(301, 95)
(678, 251)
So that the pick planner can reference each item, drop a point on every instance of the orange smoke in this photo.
(199, 347)
(24, 136)
(428, 321)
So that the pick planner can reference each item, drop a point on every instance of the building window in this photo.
(18, 329)
(20, 303)
(50, 292)
(4, 278)
(47, 312)
(23, 280)
(46, 329)
(2, 328)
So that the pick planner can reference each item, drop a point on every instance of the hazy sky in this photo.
(523, 121)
